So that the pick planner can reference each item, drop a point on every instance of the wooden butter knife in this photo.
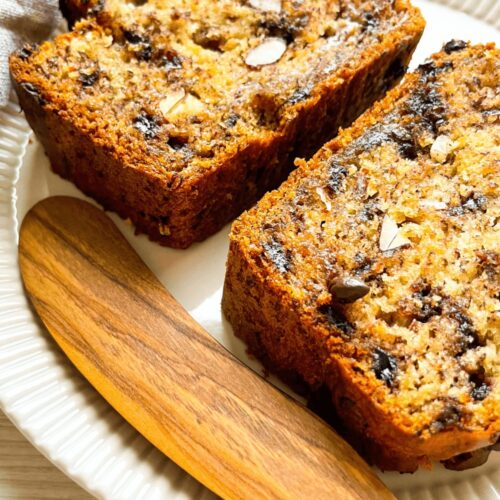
(166, 375)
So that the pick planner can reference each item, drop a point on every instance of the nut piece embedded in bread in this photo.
(402, 210)
(179, 115)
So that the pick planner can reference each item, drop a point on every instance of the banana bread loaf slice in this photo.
(374, 270)
(179, 115)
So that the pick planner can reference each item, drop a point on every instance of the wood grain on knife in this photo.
(169, 378)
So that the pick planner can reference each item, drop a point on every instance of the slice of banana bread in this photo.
(179, 115)
(374, 270)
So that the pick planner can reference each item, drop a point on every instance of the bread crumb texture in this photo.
(407, 203)
(181, 88)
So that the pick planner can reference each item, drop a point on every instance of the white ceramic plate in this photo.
(62, 415)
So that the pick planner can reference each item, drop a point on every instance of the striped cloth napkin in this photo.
(22, 21)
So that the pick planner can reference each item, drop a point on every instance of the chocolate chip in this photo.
(337, 175)
(385, 366)
(146, 124)
(348, 289)
(337, 319)
(87, 80)
(454, 46)
(34, 92)
(277, 254)
(468, 460)
(300, 94)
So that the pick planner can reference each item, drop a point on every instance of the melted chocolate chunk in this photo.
(427, 105)
(475, 202)
(87, 80)
(301, 94)
(277, 254)
(337, 175)
(146, 124)
(145, 51)
(385, 366)
(284, 26)
(430, 69)
(34, 92)
(337, 319)
(404, 140)
(428, 308)
(449, 417)
(469, 337)
(454, 46)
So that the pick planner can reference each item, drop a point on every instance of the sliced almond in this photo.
(441, 148)
(168, 103)
(390, 235)
(190, 105)
(266, 5)
(268, 52)
(324, 198)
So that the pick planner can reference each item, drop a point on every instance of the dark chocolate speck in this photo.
(146, 124)
(276, 253)
(385, 366)
(33, 91)
(337, 319)
(337, 176)
(454, 46)
(87, 80)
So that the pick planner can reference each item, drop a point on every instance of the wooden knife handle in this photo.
(167, 376)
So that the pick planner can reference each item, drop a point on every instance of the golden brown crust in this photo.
(416, 375)
(173, 204)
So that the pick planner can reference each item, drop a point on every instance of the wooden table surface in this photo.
(26, 474)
